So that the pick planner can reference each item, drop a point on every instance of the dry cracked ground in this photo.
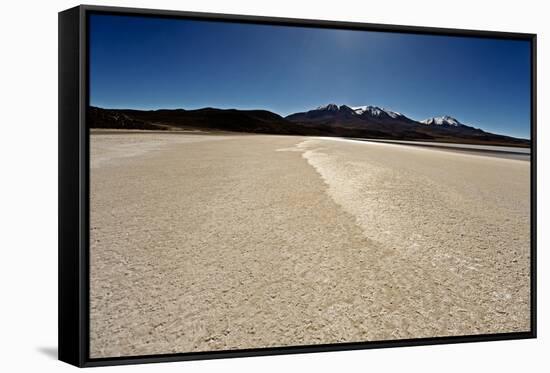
(204, 242)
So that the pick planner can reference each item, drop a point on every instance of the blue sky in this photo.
(150, 63)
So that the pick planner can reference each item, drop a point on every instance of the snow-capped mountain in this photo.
(329, 107)
(366, 112)
(442, 121)
(375, 111)
(380, 122)
(354, 116)
(361, 117)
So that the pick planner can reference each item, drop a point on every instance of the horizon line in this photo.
(305, 111)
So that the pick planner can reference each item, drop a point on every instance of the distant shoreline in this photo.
(451, 146)
(509, 152)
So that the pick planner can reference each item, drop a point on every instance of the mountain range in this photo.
(327, 120)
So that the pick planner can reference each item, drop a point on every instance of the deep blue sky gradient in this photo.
(150, 63)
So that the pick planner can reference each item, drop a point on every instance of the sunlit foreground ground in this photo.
(217, 242)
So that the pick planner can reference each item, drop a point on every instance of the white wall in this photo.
(28, 183)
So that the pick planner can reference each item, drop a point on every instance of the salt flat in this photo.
(210, 242)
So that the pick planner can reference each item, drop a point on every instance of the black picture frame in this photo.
(73, 250)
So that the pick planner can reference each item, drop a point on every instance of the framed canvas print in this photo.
(237, 186)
